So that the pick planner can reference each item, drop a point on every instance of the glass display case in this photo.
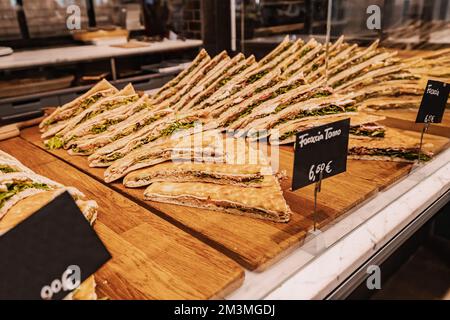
(47, 18)
(403, 24)
(124, 13)
(381, 53)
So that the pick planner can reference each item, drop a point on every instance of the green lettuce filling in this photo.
(78, 150)
(55, 142)
(321, 95)
(257, 76)
(215, 176)
(6, 169)
(392, 153)
(84, 104)
(331, 109)
(287, 134)
(356, 131)
(304, 52)
(109, 106)
(140, 107)
(287, 104)
(15, 188)
(178, 125)
(102, 127)
(379, 133)
(136, 127)
(249, 109)
(224, 81)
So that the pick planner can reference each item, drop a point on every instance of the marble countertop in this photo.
(40, 57)
(327, 258)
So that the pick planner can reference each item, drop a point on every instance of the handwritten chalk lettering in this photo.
(429, 118)
(306, 139)
(321, 152)
(330, 133)
(315, 170)
(432, 91)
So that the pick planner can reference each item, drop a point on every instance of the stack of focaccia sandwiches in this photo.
(287, 91)
(23, 192)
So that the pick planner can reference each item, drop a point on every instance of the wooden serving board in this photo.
(257, 244)
(152, 259)
(405, 119)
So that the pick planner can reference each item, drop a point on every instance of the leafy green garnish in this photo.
(177, 125)
(15, 188)
(109, 106)
(102, 127)
(367, 133)
(257, 76)
(409, 155)
(6, 169)
(331, 109)
(55, 142)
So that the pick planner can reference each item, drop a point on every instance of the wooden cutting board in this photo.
(152, 259)
(257, 244)
(405, 119)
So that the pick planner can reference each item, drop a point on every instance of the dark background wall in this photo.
(216, 25)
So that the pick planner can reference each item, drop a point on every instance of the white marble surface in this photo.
(325, 260)
(29, 58)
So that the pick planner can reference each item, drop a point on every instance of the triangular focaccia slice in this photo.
(185, 148)
(244, 175)
(125, 96)
(396, 146)
(8, 165)
(262, 203)
(101, 90)
(102, 122)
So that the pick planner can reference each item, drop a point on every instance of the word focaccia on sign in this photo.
(320, 151)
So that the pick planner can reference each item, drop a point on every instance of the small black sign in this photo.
(50, 253)
(320, 149)
(433, 102)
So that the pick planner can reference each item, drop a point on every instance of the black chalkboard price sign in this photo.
(320, 153)
(432, 107)
(49, 254)
(433, 102)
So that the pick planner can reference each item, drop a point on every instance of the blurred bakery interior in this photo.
(52, 50)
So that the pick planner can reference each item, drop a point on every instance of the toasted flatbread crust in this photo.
(264, 203)
(103, 85)
(63, 128)
(219, 173)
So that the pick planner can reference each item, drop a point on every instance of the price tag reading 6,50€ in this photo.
(320, 150)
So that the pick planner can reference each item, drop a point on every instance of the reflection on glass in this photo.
(124, 13)
(410, 24)
(47, 18)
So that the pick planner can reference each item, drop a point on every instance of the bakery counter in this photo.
(53, 56)
(334, 261)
